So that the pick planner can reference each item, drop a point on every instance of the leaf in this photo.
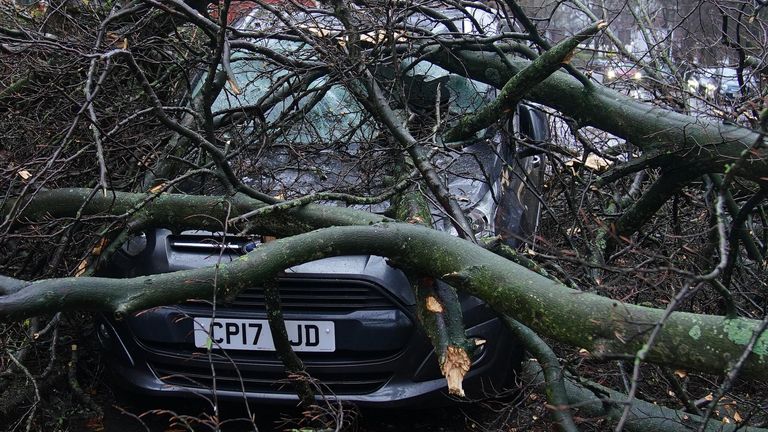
(593, 162)
(681, 373)
(596, 162)
(24, 174)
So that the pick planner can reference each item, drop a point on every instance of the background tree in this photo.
(120, 117)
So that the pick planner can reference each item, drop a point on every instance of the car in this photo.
(730, 90)
(629, 72)
(703, 84)
(351, 319)
(706, 81)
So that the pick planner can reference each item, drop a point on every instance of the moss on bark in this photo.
(599, 324)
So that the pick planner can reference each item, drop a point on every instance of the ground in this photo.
(521, 410)
(133, 416)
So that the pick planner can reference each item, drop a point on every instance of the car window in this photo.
(466, 95)
(337, 115)
(334, 116)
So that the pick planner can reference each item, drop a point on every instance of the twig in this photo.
(643, 352)
(321, 196)
(730, 378)
(75, 386)
(518, 12)
(33, 408)
(553, 373)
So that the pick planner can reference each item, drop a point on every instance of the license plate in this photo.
(249, 334)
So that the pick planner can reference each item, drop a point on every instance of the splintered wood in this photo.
(455, 365)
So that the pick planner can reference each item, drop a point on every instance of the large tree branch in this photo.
(642, 210)
(178, 211)
(595, 400)
(514, 89)
(699, 144)
(440, 314)
(602, 325)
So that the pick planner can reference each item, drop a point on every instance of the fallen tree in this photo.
(605, 326)
(168, 132)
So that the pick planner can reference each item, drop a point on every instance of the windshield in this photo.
(306, 113)
(312, 134)
(330, 111)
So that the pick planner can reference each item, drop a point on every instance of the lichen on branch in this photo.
(573, 317)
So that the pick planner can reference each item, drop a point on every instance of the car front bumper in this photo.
(407, 375)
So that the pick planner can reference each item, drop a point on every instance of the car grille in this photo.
(229, 378)
(319, 295)
(182, 352)
(179, 363)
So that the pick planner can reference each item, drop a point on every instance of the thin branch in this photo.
(517, 86)
(553, 373)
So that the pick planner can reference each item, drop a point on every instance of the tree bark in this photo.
(604, 326)
(594, 400)
(517, 86)
(179, 210)
(699, 144)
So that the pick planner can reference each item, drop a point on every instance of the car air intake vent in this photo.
(231, 379)
(210, 245)
(319, 295)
